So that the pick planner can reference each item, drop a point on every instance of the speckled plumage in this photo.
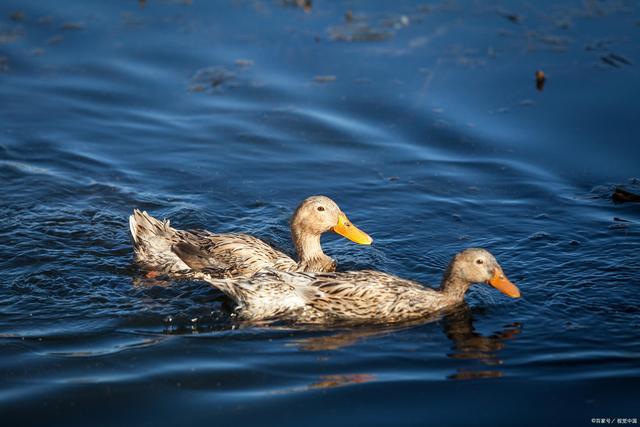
(161, 248)
(355, 296)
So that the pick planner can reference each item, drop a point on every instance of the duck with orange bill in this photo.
(358, 296)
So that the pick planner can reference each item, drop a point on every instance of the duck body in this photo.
(357, 296)
(160, 248)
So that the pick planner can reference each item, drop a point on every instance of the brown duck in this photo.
(357, 296)
(160, 248)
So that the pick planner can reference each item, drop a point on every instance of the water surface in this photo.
(422, 120)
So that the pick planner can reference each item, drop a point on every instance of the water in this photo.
(424, 123)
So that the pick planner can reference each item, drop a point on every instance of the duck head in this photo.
(318, 214)
(478, 265)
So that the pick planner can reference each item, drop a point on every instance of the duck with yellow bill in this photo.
(161, 249)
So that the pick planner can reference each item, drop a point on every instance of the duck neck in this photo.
(453, 287)
(309, 250)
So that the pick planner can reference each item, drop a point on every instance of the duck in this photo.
(161, 249)
(365, 296)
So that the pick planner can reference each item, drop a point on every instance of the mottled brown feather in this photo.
(161, 248)
(355, 296)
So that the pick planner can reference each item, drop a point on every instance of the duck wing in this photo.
(199, 259)
(366, 296)
(265, 296)
(230, 254)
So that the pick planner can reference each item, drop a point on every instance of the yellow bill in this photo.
(501, 283)
(350, 231)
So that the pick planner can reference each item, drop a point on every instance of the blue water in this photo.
(422, 120)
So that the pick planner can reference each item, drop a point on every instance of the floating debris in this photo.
(72, 26)
(620, 195)
(55, 39)
(360, 32)
(215, 78)
(620, 59)
(609, 61)
(37, 51)
(615, 218)
(244, 63)
(397, 23)
(348, 16)
(512, 17)
(324, 79)
(17, 16)
(540, 80)
(357, 28)
(615, 60)
(306, 5)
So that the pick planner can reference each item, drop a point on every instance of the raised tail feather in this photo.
(152, 241)
(142, 226)
(231, 287)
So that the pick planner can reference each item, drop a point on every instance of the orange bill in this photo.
(501, 283)
(350, 231)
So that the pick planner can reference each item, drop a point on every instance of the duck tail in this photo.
(144, 227)
(231, 287)
(152, 240)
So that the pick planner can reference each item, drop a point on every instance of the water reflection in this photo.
(332, 381)
(339, 340)
(467, 343)
(471, 345)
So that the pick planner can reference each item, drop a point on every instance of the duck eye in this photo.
(320, 208)
(479, 261)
